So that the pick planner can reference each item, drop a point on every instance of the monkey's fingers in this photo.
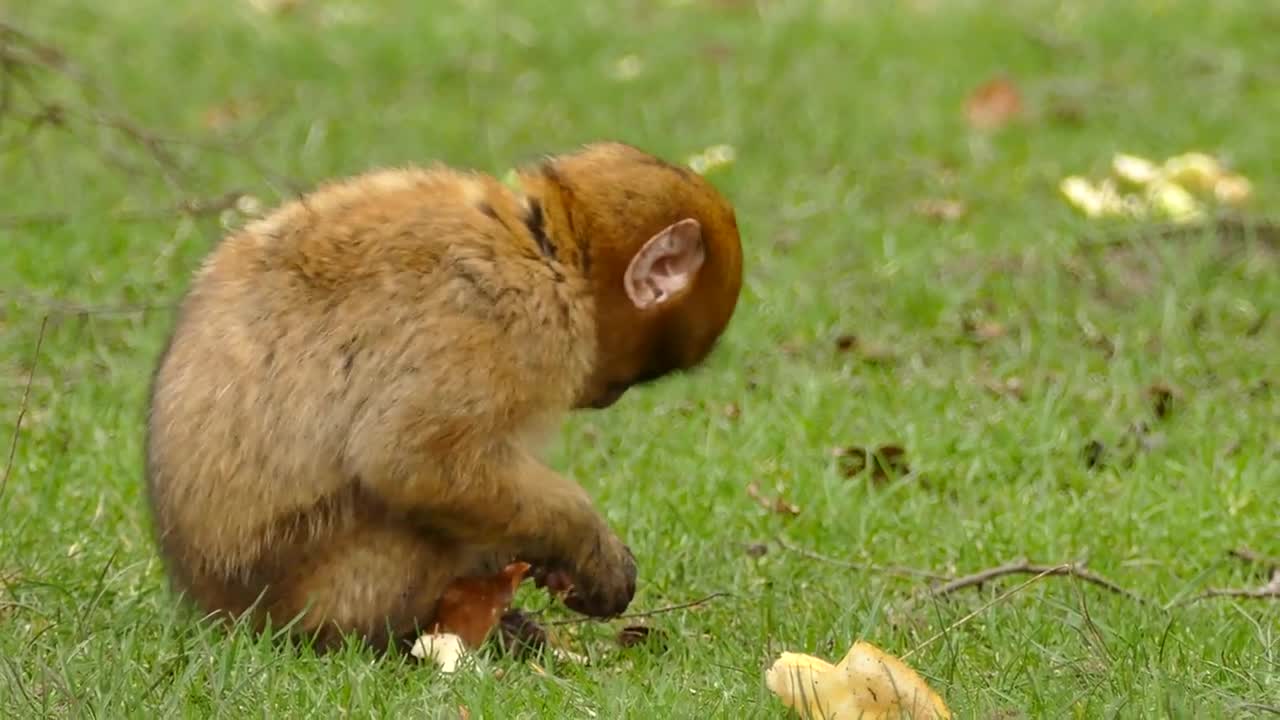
(520, 635)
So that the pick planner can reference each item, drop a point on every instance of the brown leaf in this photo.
(464, 713)
(777, 504)
(886, 462)
(1093, 451)
(940, 209)
(993, 105)
(732, 411)
(1162, 397)
(845, 343)
(1010, 387)
(756, 550)
(633, 635)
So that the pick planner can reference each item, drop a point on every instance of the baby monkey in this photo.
(348, 414)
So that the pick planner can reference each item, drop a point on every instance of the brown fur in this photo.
(348, 413)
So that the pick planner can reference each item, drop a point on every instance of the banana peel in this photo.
(867, 684)
(1172, 189)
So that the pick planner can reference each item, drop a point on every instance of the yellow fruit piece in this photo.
(1193, 171)
(1233, 190)
(867, 683)
(1174, 201)
(1135, 170)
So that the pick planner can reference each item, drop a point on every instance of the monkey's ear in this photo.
(666, 265)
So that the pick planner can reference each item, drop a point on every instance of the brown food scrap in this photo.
(472, 606)
(993, 105)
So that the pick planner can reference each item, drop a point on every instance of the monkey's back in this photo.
(302, 335)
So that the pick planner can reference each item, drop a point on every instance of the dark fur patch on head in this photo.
(553, 177)
(537, 225)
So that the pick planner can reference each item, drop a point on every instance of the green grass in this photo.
(844, 115)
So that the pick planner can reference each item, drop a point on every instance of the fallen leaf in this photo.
(844, 343)
(732, 411)
(993, 105)
(940, 209)
(983, 330)
(1162, 397)
(1093, 451)
(777, 504)
(886, 462)
(756, 550)
(463, 713)
(633, 635)
(1011, 387)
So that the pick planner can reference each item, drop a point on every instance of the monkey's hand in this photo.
(602, 586)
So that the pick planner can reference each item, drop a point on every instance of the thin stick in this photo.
(896, 570)
(1266, 592)
(22, 408)
(1023, 567)
(646, 613)
(982, 608)
(1247, 555)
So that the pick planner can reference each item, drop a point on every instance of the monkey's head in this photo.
(660, 247)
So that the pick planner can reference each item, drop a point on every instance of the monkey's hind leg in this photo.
(380, 582)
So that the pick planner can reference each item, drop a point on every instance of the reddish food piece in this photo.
(472, 606)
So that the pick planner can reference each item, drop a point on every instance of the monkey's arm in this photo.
(499, 493)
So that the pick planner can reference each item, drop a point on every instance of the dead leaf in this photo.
(984, 331)
(732, 411)
(886, 462)
(940, 209)
(777, 504)
(1009, 387)
(993, 105)
(844, 343)
(1093, 451)
(633, 635)
(224, 116)
(756, 550)
(1162, 397)
(464, 713)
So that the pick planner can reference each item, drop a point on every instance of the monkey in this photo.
(350, 410)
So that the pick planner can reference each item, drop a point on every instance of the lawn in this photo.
(1062, 389)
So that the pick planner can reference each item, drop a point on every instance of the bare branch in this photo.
(895, 570)
(1269, 591)
(647, 613)
(1024, 567)
(1247, 555)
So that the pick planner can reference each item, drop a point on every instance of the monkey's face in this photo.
(664, 262)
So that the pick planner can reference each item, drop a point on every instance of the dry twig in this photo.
(895, 570)
(1024, 567)
(22, 407)
(647, 613)
(1269, 591)
(1252, 556)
